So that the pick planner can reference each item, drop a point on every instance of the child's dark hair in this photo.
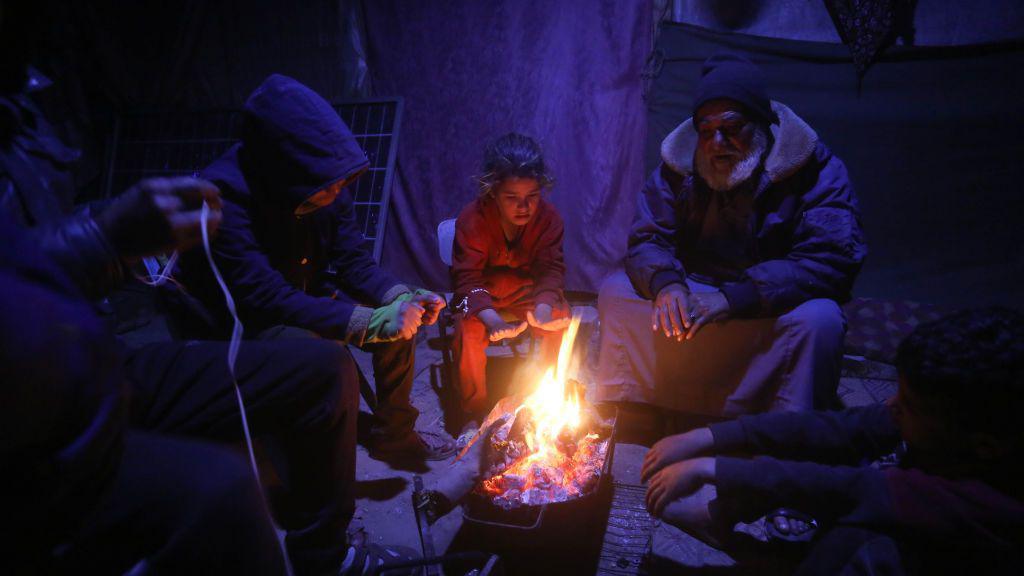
(512, 156)
(970, 365)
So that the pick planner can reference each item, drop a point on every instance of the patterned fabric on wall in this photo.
(868, 27)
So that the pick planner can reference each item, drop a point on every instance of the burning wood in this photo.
(549, 446)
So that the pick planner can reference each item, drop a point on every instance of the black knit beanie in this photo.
(736, 78)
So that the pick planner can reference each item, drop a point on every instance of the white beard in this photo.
(740, 172)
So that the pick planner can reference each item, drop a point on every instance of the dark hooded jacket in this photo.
(803, 238)
(37, 191)
(62, 414)
(62, 401)
(310, 271)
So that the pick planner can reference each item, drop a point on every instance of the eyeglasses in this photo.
(729, 130)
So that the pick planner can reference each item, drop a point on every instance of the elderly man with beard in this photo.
(746, 238)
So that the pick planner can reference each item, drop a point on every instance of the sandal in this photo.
(374, 559)
(774, 534)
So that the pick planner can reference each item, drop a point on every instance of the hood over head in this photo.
(294, 143)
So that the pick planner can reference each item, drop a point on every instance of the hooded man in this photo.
(292, 252)
(746, 238)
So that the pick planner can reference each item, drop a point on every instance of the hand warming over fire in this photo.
(678, 480)
(541, 318)
(498, 329)
(677, 448)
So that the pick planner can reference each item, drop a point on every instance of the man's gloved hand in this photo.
(431, 303)
(540, 318)
(159, 215)
(671, 312)
(398, 320)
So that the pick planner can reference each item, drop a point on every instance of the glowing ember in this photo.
(551, 444)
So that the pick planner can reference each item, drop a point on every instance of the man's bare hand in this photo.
(706, 307)
(540, 317)
(159, 215)
(432, 305)
(674, 449)
(671, 311)
(678, 480)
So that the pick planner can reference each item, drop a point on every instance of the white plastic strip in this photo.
(236, 342)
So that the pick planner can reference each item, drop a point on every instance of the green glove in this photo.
(384, 321)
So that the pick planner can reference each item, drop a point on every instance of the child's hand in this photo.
(678, 480)
(502, 330)
(676, 449)
(541, 318)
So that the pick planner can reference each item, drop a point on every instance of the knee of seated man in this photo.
(335, 370)
(820, 317)
(226, 491)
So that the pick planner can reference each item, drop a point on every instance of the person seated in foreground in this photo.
(82, 493)
(507, 266)
(928, 482)
(745, 241)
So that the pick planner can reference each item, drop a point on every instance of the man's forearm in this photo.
(846, 436)
(82, 250)
(759, 485)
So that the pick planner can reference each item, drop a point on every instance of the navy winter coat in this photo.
(308, 271)
(805, 224)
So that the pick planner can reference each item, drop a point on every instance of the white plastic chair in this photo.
(446, 240)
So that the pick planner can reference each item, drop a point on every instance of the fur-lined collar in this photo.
(794, 143)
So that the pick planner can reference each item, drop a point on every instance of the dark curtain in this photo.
(564, 72)
(932, 139)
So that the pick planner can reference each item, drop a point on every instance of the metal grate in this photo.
(183, 143)
(627, 537)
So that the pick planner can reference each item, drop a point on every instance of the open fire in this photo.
(550, 445)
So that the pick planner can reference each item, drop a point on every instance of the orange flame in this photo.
(551, 408)
(554, 409)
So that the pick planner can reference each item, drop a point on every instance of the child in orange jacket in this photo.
(507, 264)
